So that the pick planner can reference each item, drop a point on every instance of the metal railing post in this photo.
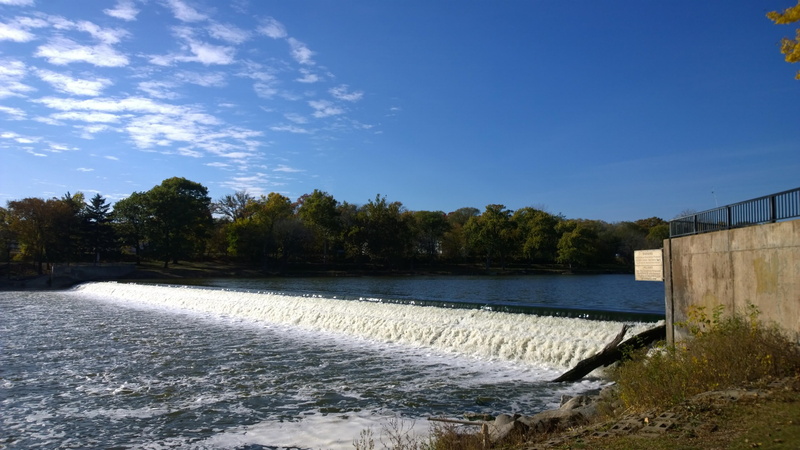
(773, 213)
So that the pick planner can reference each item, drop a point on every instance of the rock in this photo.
(576, 402)
(726, 396)
(555, 420)
(504, 419)
(506, 426)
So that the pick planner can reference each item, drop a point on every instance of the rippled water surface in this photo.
(128, 367)
(600, 293)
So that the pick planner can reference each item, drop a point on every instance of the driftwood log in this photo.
(614, 351)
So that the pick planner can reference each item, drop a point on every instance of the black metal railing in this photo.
(767, 209)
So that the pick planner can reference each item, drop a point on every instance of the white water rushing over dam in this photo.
(553, 342)
(112, 365)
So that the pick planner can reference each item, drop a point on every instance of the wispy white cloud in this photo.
(17, 2)
(341, 92)
(107, 36)
(9, 32)
(229, 33)
(17, 137)
(324, 108)
(184, 12)
(206, 79)
(286, 169)
(272, 28)
(124, 10)
(88, 131)
(186, 151)
(195, 50)
(150, 124)
(265, 89)
(256, 184)
(84, 169)
(61, 51)
(209, 54)
(300, 52)
(296, 118)
(15, 113)
(58, 148)
(75, 86)
(12, 72)
(168, 89)
(127, 104)
(236, 155)
(161, 130)
(84, 116)
(31, 22)
(256, 71)
(308, 77)
(159, 89)
(290, 129)
(28, 143)
(17, 30)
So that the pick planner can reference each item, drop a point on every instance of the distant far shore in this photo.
(24, 278)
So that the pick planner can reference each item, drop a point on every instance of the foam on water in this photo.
(552, 342)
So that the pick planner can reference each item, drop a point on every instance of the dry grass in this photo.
(443, 436)
(722, 353)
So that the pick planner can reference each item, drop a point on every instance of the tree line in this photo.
(177, 220)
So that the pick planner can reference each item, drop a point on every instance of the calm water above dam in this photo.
(298, 363)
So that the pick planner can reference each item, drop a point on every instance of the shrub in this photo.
(721, 353)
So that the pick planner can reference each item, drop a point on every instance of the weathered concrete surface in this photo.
(758, 265)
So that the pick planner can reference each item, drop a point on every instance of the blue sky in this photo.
(615, 110)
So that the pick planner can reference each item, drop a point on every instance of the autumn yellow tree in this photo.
(789, 47)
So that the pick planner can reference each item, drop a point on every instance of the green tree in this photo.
(130, 219)
(492, 234)
(538, 235)
(291, 237)
(70, 244)
(319, 211)
(180, 218)
(387, 235)
(429, 228)
(7, 240)
(253, 235)
(43, 229)
(657, 229)
(626, 238)
(657, 234)
(789, 47)
(454, 241)
(577, 245)
(233, 207)
(29, 221)
(98, 232)
(352, 234)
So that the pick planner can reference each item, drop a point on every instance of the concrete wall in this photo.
(757, 265)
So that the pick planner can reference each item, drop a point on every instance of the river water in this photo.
(296, 363)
